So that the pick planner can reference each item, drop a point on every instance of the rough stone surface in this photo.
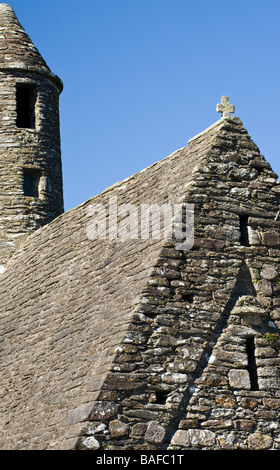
(34, 149)
(118, 429)
(114, 344)
(239, 378)
(259, 441)
(194, 438)
(90, 443)
(155, 433)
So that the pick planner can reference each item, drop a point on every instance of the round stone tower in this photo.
(31, 193)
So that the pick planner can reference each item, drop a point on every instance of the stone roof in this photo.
(79, 295)
(68, 302)
(16, 45)
(17, 50)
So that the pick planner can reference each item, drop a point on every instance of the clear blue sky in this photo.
(141, 77)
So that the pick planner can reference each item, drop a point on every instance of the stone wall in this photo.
(66, 303)
(134, 344)
(180, 379)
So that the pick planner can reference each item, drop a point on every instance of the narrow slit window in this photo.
(252, 368)
(25, 96)
(31, 183)
(161, 397)
(244, 235)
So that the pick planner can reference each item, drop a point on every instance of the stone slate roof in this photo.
(68, 303)
(17, 51)
(17, 47)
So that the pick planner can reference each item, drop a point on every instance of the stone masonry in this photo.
(29, 150)
(134, 344)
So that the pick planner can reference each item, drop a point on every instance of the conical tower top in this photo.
(17, 50)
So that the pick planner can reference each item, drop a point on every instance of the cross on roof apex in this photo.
(225, 107)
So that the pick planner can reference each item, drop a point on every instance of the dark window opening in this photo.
(161, 398)
(244, 236)
(188, 298)
(252, 368)
(31, 183)
(25, 96)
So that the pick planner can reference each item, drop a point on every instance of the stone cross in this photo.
(224, 107)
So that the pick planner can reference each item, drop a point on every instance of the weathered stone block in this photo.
(155, 433)
(181, 439)
(259, 441)
(123, 382)
(269, 383)
(271, 238)
(244, 425)
(268, 415)
(138, 430)
(250, 403)
(118, 429)
(269, 272)
(264, 287)
(254, 237)
(271, 403)
(90, 443)
(226, 401)
(239, 379)
(218, 424)
(103, 410)
(275, 314)
(201, 438)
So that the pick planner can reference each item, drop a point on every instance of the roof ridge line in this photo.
(233, 119)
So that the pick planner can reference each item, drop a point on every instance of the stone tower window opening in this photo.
(25, 98)
(252, 367)
(244, 235)
(161, 397)
(31, 180)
